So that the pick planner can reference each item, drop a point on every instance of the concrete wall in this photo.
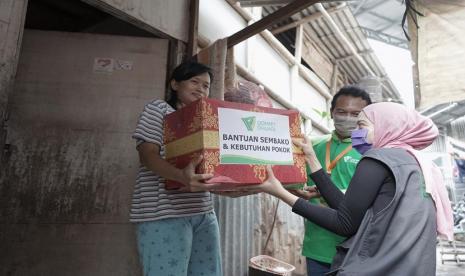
(12, 16)
(67, 181)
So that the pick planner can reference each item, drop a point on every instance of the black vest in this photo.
(400, 239)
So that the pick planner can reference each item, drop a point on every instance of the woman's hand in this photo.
(271, 185)
(274, 187)
(307, 192)
(195, 182)
(309, 152)
(305, 145)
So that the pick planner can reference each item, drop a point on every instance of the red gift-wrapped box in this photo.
(236, 141)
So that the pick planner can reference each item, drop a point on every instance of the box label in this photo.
(254, 138)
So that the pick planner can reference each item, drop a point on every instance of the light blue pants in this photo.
(180, 246)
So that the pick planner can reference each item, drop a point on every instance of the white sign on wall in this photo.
(254, 138)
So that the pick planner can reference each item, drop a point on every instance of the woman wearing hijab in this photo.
(396, 203)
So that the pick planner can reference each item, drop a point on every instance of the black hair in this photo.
(185, 71)
(352, 91)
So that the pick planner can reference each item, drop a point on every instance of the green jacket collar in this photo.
(336, 138)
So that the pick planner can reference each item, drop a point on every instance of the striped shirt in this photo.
(150, 200)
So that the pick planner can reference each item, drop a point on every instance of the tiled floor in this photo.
(449, 268)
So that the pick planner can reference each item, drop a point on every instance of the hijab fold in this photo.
(396, 126)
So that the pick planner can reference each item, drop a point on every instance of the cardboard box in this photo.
(236, 141)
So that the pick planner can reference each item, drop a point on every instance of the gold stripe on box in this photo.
(207, 139)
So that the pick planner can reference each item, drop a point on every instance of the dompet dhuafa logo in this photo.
(249, 122)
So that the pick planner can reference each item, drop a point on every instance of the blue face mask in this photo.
(359, 140)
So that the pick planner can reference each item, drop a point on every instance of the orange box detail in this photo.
(236, 141)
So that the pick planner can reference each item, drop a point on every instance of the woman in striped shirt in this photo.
(177, 231)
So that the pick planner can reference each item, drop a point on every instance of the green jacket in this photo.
(320, 244)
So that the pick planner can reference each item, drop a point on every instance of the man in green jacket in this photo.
(336, 155)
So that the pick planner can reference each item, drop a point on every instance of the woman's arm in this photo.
(360, 196)
(149, 155)
(332, 195)
(362, 192)
(327, 189)
(149, 137)
(345, 220)
(274, 187)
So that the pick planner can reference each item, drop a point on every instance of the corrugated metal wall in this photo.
(245, 224)
(439, 145)
(236, 217)
(458, 129)
(439, 153)
(286, 240)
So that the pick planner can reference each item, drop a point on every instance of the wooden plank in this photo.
(295, 23)
(334, 79)
(269, 20)
(5, 10)
(297, 59)
(193, 28)
(413, 45)
(306, 19)
(317, 60)
(165, 19)
(176, 54)
(76, 107)
(299, 37)
(13, 15)
(263, 3)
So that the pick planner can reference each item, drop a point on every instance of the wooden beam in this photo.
(176, 54)
(299, 38)
(262, 3)
(306, 19)
(295, 23)
(334, 76)
(193, 28)
(352, 56)
(315, 57)
(297, 62)
(264, 23)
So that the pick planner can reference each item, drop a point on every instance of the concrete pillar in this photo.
(12, 17)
